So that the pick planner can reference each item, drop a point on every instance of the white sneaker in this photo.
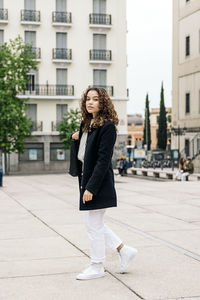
(95, 270)
(126, 256)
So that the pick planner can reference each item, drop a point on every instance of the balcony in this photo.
(55, 125)
(36, 52)
(108, 88)
(49, 90)
(3, 16)
(36, 126)
(100, 56)
(31, 17)
(62, 55)
(61, 18)
(100, 20)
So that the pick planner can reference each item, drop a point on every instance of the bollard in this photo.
(1, 177)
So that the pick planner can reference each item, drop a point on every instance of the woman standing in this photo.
(96, 139)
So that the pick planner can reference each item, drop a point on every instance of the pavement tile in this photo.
(63, 287)
(160, 273)
(46, 247)
(189, 240)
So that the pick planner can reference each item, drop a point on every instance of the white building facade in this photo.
(79, 43)
(186, 78)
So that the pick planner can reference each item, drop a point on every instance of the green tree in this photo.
(162, 123)
(147, 125)
(16, 61)
(69, 125)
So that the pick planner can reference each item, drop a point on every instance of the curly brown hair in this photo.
(106, 109)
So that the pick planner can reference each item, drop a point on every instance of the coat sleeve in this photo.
(104, 155)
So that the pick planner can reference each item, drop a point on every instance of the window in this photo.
(33, 152)
(31, 113)
(61, 76)
(187, 147)
(187, 1)
(1, 4)
(61, 81)
(99, 41)
(1, 37)
(198, 145)
(61, 110)
(99, 77)
(187, 103)
(61, 45)
(57, 152)
(61, 40)
(187, 45)
(61, 5)
(29, 4)
(129, 141)
(30, 38)
(30, 87)
(99, 6)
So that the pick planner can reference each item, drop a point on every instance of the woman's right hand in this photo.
(75, 136)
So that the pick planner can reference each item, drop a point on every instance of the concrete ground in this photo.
(43, 241)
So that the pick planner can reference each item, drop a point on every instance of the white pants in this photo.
(100, 235)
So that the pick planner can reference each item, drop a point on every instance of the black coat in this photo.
(96, 174)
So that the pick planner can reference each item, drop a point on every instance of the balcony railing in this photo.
(30, 15)
(62, 53)
(105, 55)
(36, 52)
(55, 125)
(49, 90)
(100, 19)
(108, 88)
(3, 14)
(36, 126)
(61, 17)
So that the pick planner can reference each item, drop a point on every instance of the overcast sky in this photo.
(149, 50)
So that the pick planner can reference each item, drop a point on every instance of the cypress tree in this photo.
(147, 125)
(162, 123)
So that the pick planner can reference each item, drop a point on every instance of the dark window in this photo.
(33, 152)
(187, 0)
(129, 139)
(187, 147)
(187, 102)
(31, 113)
(57, 152)
(187, 45)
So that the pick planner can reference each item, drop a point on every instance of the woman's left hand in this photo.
(87, 196)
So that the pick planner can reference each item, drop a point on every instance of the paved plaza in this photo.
(44, 244)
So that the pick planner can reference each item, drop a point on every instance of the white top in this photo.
(82, 146)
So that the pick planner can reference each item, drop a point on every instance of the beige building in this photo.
(135, 129)
(78, 44)
(186, 78)
(154, 114)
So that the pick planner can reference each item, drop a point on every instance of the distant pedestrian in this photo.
(181, 169)
(188, 169)
(96, 139)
